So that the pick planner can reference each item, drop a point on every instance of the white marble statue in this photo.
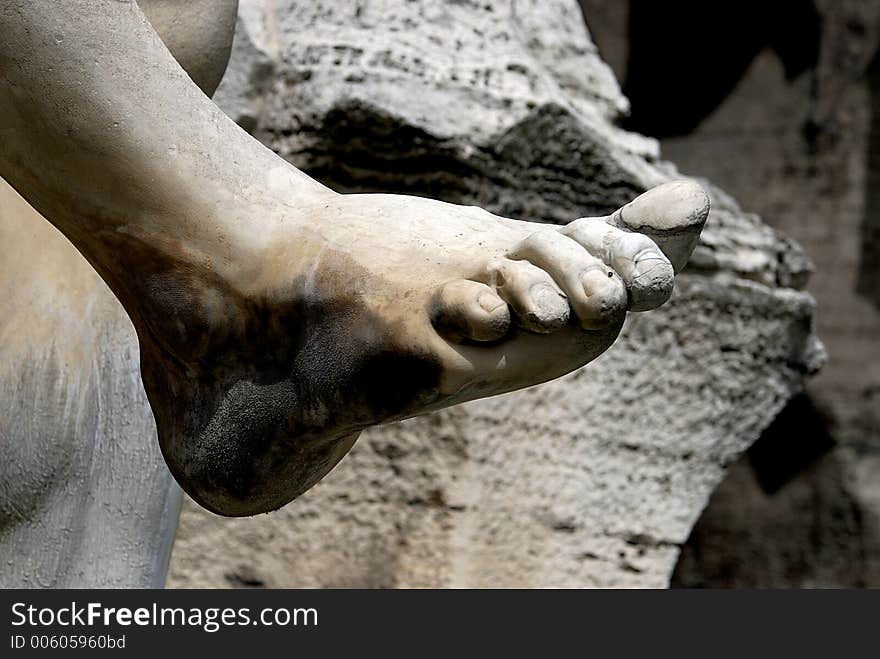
(275, 318)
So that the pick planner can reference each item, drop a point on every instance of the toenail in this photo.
(490, 302)
(548, 301)
(604, 296)
(649, 254)
(545, 295)
(651, 267)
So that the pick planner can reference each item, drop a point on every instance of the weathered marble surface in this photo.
(85, 498)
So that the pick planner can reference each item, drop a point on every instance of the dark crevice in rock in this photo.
(798, 436)
(675, 54)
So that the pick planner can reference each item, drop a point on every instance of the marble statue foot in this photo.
(277, 319)
(363, 309)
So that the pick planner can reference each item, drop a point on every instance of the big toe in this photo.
(672, 215)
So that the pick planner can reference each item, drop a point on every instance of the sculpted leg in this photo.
(85, 497)
(278, 319)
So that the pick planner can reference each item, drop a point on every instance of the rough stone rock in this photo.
(592, 480)
(802, 508)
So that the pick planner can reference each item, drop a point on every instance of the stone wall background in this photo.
(592, 480)
(795, 137)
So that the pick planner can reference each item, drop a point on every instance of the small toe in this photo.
(537, 302)
(595, 292)
(468, 310)
(647, 273)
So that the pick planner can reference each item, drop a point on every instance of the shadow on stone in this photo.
(795, 439)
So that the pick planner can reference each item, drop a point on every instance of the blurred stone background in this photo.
(786, 117)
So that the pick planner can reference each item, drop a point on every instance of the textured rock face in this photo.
(803, 508)
(85, 498)
(592, 480)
